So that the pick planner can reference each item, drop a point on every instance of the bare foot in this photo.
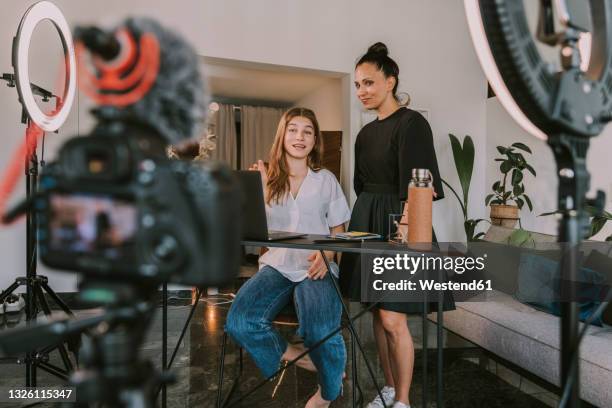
(294, 350)
(317, 401)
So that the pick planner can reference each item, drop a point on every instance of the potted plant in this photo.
(464, 163)
(512, 165)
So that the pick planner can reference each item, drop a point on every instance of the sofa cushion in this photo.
(539, 285)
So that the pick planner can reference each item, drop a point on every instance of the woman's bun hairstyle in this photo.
(378, 48)
(378, 54)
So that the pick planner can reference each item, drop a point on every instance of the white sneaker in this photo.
(399, 404)
(388, 394)
(14, 303)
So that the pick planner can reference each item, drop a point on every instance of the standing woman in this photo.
(386, 151)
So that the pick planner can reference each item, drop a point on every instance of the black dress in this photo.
(386, 151)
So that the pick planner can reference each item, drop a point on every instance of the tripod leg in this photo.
(352, 328)
(47, 310)
(440, 347)
(9, 290)
(56, 298)
(73, 344)
(31, 313)
(164, 341)
(185, 326)
(425, 348)
(220, 373)
(360, 398)
(354, 373)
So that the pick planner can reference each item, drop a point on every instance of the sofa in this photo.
(529, 338)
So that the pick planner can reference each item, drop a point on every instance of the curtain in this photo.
(225, 131)
(257, 131)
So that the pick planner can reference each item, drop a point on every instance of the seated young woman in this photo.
(300, 197)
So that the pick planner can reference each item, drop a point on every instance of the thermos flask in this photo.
(420, 198)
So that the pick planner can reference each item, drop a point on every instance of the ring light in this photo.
(542, 100)
(43, 10)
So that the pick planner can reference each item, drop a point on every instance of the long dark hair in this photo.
(378, 54)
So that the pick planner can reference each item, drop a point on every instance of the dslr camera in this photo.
(114, 208)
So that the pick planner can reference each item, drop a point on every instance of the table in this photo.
(315, 243)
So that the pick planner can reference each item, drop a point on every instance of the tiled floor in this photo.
(466, 382)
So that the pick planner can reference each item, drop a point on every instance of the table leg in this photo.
(351, 327)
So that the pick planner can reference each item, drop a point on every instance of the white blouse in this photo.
(320, 205)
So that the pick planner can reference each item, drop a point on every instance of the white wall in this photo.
(326, 102)
(428, 38)
(502, 130)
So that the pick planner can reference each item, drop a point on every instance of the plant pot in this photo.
(504, 215)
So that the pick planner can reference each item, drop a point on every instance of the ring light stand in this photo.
(565, 108)
(37, 122)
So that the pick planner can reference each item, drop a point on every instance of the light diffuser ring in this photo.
(38, 12)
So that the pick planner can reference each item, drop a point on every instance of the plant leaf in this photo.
(609, 238)
(522, 146)
(464, 162)
(505, 167)
(463, 209)
(528, 201)
(469, 226)
(519, 237)
(519, 203)
(550, 213)
(488, 198)
(517, 177)
(530, 169)
(597, 223)
(513, 157)
(496, 186)
(502, 149)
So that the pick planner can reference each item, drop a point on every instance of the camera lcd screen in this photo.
(92, 224)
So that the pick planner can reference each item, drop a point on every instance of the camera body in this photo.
(114, 207)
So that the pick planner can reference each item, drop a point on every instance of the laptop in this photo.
(255, 224)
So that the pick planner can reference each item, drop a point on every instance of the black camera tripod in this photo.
(37, 285)
(112, 372)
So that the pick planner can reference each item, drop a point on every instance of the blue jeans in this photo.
(318, 309)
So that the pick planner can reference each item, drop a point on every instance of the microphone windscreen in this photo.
(175, 106)
(98, 41)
